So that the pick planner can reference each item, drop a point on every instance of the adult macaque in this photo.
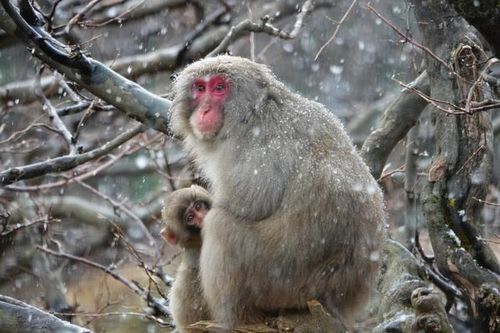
(296, 214)
(183, 214)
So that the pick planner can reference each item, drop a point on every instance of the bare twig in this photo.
(486, 202)
(133, 10)
(117, 18)
(135, 287)
(19, 134)
(64, 163)
(86, 115)
(198, 31)
(168, 172)
(18, 227)
(339, 24)
(392, 172)
(132, 250)
(481, 78)
(454, 109)
(123, 208)
(93, 171)
(263, 26)
(157, 320)
(82, 106)
(469, 160)
(252, 35)
(71, 93)
(409, 39)
(54, 117)
(75, 19)
(299, 22)
(50, 15)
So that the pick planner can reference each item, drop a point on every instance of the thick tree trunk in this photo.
(462, 163)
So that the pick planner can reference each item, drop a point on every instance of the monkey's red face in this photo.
(209, 95)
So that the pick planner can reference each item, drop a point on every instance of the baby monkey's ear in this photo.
(169, 236)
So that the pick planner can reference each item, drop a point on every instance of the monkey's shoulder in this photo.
(313, 119)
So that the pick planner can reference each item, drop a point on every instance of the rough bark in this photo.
(462, 164)
(484, 15)
(407, 303)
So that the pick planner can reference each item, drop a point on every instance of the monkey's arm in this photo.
(260, 196)
(268, 159)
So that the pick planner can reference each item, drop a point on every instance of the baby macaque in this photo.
(183, 216)
(296, 214)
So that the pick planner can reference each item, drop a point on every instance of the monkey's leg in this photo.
(225, 276)
(218, 279)
(222, 301)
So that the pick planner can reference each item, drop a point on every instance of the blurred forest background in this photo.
(63, 232)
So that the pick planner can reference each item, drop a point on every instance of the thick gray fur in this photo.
(296, 214)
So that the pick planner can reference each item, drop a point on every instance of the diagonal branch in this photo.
(64, 163)
(398, 119)
(332, 37)
(20, 317)
(54, 117)
(127, 96)
(34, 33)
(410, 40)
(156, 303)
(263, 26)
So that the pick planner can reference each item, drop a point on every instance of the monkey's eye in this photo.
(220, 87)
(199, 87)
(198, 205)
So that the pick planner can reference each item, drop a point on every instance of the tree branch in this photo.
(19, 317)
(64, 163)
(401, 115)
(448, 203)
(97, 78)
(156, 303)
(264, 26)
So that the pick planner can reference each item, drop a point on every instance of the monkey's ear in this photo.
(169, 236)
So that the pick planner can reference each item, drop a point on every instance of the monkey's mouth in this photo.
(207, 121)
